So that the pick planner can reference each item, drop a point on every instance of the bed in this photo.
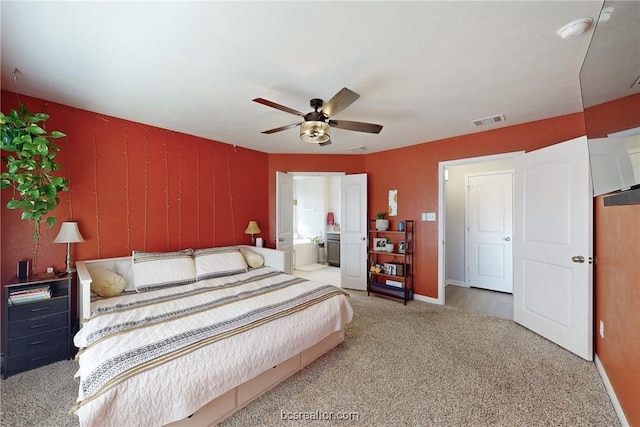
(196, 335)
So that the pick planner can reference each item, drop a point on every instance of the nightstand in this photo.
(35, 332)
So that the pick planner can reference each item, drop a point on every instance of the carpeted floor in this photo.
(416, 365)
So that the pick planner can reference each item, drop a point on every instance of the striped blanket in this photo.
(138, 351)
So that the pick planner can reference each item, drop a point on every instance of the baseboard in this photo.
(426, 299)
(456, 283)
(611, 392)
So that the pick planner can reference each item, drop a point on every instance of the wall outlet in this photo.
(601, 329)
(431, 216)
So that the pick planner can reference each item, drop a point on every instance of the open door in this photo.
(284, 218)
(353, 239)
(553, 289)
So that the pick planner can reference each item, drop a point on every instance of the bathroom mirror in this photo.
(610, 84)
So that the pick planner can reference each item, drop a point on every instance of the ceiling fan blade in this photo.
(278, 106)
(281, 128)
(339, 102)
(322, 144)
(357, 126)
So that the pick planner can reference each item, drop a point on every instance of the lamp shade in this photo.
(315, 132)
(69, 233)
(252, 228)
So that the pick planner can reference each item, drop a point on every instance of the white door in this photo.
(489, 216)
(284, 218)
(353, 232)
(553, 292)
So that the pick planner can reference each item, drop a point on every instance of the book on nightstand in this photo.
(29, 295)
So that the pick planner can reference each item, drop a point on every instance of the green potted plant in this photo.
(389, 246)
(29, 158)
(382, 224)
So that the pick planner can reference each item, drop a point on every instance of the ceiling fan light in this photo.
(314, 131)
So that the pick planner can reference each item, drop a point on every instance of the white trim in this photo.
(456, 283)
(441, 209)
(611, 392)
(426, 299)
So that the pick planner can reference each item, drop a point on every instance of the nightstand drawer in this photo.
(40, 308)
(37, 341)
(37, 358)
(38, 325)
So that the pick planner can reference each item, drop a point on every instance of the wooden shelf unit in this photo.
(395, 278)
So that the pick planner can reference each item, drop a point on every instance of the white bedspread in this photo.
(244, 343)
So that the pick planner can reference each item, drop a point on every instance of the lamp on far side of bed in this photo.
(252, 229)
(68, 234)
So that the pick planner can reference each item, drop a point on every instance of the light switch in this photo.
(431, 216)
(424, 216)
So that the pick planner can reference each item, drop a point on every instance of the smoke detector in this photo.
(574, 28)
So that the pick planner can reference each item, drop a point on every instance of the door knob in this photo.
(506, 238)
(363, 238)
(280, 239)
(577, 258)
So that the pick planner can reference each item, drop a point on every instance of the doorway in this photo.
(452, 259)
(315, 196)
(488, 230)
(352, 222)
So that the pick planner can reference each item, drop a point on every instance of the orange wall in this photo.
(137, 187)
(617, 296)
(617, 271)
(613, 116)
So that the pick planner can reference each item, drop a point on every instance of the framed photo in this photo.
(379, 244)
(389, 269)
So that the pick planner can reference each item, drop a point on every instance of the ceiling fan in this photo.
(316, 125)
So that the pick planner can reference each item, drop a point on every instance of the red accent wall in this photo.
(617, 271)
(613, 116)
(138, 187)
(617, 297)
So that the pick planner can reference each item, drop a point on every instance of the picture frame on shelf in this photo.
(379, 244)
(389, 269)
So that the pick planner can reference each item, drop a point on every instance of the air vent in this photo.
(489, 120)
(358, 149)
(636, 83)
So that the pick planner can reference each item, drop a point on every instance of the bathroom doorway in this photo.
(316, 218)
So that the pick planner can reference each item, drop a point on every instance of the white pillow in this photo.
(153, 270)
(217, 262)
(253, 259)
(106, 283)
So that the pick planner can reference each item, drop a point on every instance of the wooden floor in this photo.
(476, 300)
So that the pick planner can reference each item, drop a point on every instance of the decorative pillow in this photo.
(217, 262)
(254, 260)
(106, 283)
(153, 270)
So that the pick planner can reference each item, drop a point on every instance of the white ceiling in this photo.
(424, 70)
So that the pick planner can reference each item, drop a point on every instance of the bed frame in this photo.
(235, 399)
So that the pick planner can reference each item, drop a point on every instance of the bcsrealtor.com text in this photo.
(319, 415)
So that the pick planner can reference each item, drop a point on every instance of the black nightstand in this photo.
(36, 333)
